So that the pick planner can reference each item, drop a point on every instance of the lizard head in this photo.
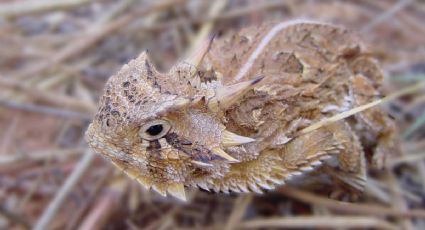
(164, 129)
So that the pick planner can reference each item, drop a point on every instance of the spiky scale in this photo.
(144, 182)
(177, 190)
(230, 139)
(219, 152)
(253, 186)
(160, 189)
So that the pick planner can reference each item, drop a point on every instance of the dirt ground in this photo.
(55, 57)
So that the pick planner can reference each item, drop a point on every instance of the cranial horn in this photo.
(201, 164)
(196, 56)
(230, 139)
(227, 95)
(221, 153)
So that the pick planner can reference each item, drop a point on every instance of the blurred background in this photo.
(55, 57)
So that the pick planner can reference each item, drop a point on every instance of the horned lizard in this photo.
(231, 122)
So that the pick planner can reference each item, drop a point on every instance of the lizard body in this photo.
(232, 123)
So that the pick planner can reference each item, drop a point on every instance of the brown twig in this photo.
(104, 206)
(73, 223)
(328, 222)
(401, 4)
(397, 199)
(239, 209)
(58, 154)
(13, 9)
(93, 36)
(361, 108)
(14, 217)
(60, 196)
(46, 110)
(349, 207)
(228, 15)
(206, 28)
(49, 97)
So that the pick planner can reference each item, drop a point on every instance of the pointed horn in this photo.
(202, 164)
(221, 153)
(195, 81)
(177, 190)
(230, 139)
(227, 95)
(181, 102)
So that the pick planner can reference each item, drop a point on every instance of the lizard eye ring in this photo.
(154, 130)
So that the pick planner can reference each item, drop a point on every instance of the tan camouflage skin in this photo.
(232, 123)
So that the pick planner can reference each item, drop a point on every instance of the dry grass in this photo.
(55, 58)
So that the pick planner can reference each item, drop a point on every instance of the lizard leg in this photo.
(349, 170)
(377, 128)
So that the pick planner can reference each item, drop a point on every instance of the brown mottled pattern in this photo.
(311, 71)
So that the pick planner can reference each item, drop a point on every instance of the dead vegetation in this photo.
(55, 58)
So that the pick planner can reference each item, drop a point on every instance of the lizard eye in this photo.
(154, 130)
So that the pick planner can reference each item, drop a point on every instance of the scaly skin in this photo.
(232, 123)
